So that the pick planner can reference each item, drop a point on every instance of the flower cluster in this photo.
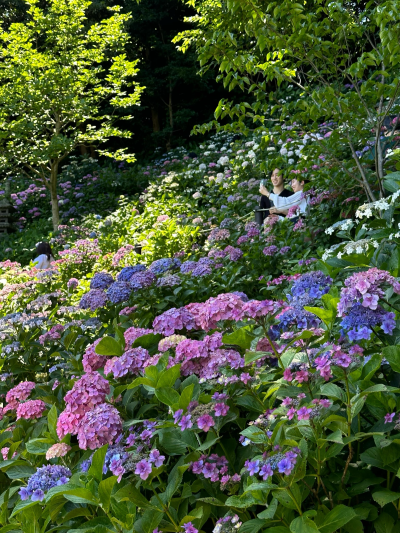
(309, 287)
(44, 479)
(132, 362)
(282, 463)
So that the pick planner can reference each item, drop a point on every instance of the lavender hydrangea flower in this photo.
(142, 280)
(94, 299)
(188, 266)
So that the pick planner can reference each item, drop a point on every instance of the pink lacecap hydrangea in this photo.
(20, 392)
(53, 334)
(366, 287)
(131, 334)
(101, 425)
(131, 362)
(91, 360)
(31, 409)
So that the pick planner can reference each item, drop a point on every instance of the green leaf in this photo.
(109, 346)
(385, 496)
(250, 357)
(392, 354)
(326, 315)
(80, 495)
(269, 513)
(20, 471)
(211, 501)
(252, 526)
(168, 396)
(337, 518)
(241, 337)
(21, 506)
(105, 488)
(132, 494)
(241, 502)
(96, 468)
(168, 377)
(149, 341)
(39, 446)
(186, 396)
(149, 521)
(333, 391)
(303, 524)
(52, 422)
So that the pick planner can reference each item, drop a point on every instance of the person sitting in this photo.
(278, 189)
(44, 256)
(282, 205)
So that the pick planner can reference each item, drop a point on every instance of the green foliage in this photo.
(55, 74)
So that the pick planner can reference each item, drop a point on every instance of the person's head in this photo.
(44, 248)
(277, 177)
(298, 185)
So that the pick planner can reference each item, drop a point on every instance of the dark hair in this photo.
(44, 248)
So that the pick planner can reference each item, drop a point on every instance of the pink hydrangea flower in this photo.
(31, 409)
(101, 425)
(89, 391)
(20, 392)
(91, 360)
(131, 334)
(205, 422)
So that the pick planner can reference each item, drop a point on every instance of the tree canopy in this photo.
(56, 75)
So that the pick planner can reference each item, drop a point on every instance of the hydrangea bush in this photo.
(231, 377)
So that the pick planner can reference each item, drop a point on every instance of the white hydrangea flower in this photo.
(224, 160)
(202, 166)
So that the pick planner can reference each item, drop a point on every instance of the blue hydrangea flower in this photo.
(101, 280)
(309, 287)
(360, 321)
(127, 272)
(163, 265)
(297, 317)
(44, 479)
(119, 292)
(188, 266)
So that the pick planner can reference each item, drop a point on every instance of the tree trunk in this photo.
(53, 193)
(155, 119)
(171, 116)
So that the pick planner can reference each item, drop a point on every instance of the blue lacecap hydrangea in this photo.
(127, 272)
(44, 479)
(360, 321)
